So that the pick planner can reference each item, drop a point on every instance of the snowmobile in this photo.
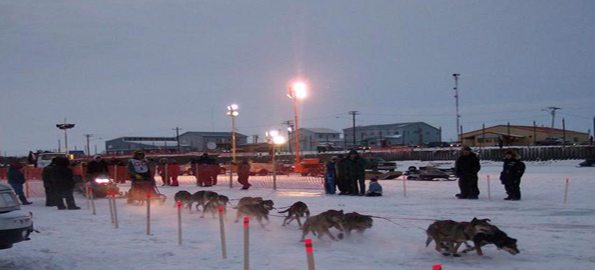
(101, 186)
(428, 173)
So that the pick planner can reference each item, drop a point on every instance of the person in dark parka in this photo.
(341, 180)
(48, 185)
(96, 167)
(16, 179)
(512, 171)
(63, 183)
(356, 172)
(466, 168)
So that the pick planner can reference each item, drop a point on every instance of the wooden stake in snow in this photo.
(489, 189)
(405, 186)
(179, 206)
(111, 208)
(309, 253)
(113, 199)
(566, 191)
(149, 214)
(27, 188)
(87, 196)
(92, 197)
(222, 230)
(246, 243)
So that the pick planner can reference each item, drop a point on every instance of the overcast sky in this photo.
(121, 68)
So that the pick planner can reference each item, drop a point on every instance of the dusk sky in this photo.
(123, 68)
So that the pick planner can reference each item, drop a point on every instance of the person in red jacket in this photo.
(173, 169)
(163, 171)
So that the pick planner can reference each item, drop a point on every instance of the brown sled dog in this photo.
(497, 237)
(258, 211)
(355, 221)
(295, 211)
(320, 224)
(449, 235)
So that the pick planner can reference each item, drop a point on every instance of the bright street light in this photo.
(232, 111)
(275, 138)
(298, 90)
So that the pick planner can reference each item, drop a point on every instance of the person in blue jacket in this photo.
(330, 176)
(16, 179)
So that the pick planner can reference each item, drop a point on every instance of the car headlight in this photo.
(101, 180)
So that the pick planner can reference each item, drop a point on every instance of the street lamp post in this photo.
(297, 91)
(275, 139)
(232, 111)
(65, 126)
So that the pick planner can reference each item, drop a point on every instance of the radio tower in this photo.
(456, 88)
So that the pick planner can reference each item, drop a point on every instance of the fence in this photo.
(533, 153)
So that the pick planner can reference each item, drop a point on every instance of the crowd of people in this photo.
(467, 167)
(348, 174)
(342, 174)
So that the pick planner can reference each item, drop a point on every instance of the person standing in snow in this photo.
(330, 175)
(466, 168)
(244, 174)
(48, 186)
(163, 171)
(512, 171)
(16, 179)
(173, 168)
(63, 183)
(356, 172)
(96, 167)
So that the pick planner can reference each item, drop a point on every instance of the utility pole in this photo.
(456, 88)
(88, 149)
(353, 114)
(552, 110)
(290, 127)
(177, 129)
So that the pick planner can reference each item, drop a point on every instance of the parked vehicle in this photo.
(550, 141)
(327, 148)
(590, 162)
(379, 164)
(438, 144)
(44, 159)
(429, 173)
(15, 224)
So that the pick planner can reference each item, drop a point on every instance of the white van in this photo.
(44, 159)
(15, 224)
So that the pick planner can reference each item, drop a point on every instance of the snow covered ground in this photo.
(550, 235)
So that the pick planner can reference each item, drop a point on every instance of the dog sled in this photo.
(140, 191)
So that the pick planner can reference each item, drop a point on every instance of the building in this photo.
(191, 141)
(310, 138)
(414, 133)
(520, 135)
(127, 145)
(209, 141)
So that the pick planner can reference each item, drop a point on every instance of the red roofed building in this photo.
(520, 135)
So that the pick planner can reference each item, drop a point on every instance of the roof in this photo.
(395, 125)
(493, 132)
(322, 130)
(144, 139)
(527, 128)
(211, 134)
